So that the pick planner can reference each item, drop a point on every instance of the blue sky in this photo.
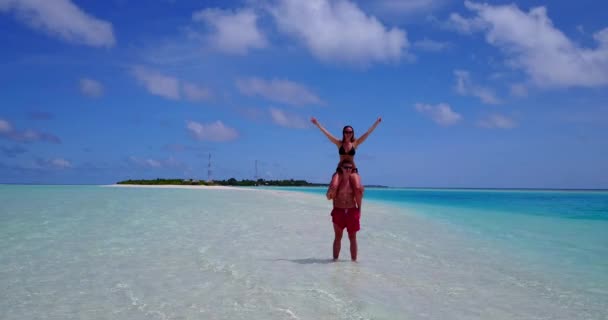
(472, 94)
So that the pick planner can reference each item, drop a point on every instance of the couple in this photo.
(345, 188)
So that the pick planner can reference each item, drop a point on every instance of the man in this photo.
(346, 212)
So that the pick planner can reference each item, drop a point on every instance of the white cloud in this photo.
(56, 163)
(234, 32)
(287, 120)
(602, 38)
(91, 88)
(30, 135)
(215, 131)
(169, 87)
(497, 121)
(441, 113)
(464, 25)
(63, 19)
(283, 91)
(339, 31)
(195, 92)
(531, 43)
(152, 163)
(466, 87)
(157, 83)
(60, 163)
(430, 45)
(5, 126)
(8, 132)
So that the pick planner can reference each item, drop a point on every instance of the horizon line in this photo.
(369, 186)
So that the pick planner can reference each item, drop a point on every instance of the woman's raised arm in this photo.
(331, 138)
(370, 130)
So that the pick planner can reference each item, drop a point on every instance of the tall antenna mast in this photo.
(209, 169)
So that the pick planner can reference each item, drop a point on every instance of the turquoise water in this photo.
(586, 205)
(561, 232)
(91, 252)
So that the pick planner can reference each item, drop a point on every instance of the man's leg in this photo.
(352, 236)
(337, 240)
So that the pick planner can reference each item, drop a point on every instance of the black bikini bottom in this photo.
(339, 170)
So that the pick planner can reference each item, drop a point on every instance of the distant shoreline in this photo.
(176, 186)
(229, 182)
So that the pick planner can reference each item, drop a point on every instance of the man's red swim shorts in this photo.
(347, 218)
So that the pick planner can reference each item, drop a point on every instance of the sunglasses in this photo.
(347, 167)
(347, 132)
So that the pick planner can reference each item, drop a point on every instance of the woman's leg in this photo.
(333, 186)
(355, 182)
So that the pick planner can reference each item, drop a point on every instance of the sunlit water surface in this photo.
(89, 252)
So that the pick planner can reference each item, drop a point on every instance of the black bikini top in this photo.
(342, 152)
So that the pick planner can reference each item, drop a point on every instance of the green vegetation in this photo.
(229, 182)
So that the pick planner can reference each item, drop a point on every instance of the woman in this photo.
(347, 149)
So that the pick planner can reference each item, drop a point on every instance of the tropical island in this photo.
(230, 182)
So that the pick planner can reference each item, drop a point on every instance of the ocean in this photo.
(100, 252)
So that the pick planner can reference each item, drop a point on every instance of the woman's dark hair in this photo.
(352, 138)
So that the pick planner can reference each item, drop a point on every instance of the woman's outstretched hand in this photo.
(379, 120)
(314, 121)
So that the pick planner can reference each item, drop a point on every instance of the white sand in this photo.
(169, 186)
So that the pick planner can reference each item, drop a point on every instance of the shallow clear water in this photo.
(555, 231)
(85, 252)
